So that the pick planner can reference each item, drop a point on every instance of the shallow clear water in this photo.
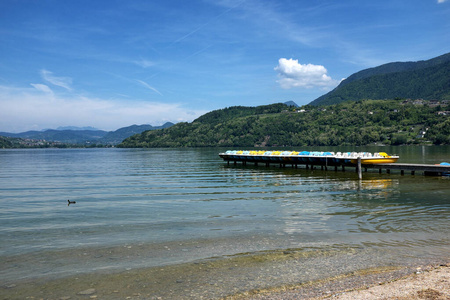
(152, 207)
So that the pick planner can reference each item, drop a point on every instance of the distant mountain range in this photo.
(291, 103)
(74, 128)
(429, 80)
(84, 135)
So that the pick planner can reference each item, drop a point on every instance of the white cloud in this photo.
(144, 63)
(29, 108)
(64, 82)
(42, 87)
(293, 74)
(148, 86)
(441, 1)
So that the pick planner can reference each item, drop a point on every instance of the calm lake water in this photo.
(152, 207)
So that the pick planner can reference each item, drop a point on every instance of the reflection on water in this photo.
(319, 213)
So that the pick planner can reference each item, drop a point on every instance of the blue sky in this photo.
(111, 64)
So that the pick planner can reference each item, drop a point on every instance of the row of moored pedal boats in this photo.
(310, 157)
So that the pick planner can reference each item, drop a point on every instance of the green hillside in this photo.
(350, 123)
(415, 80)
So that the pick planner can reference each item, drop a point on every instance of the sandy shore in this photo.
(430, 282)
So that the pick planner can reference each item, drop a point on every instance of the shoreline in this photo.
(426, 282)
(231, 279)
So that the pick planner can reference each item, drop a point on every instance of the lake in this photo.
(141, 209)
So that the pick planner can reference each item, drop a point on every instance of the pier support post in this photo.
(402, 172)
(413, 173)
(343, 168)
(228, 162)
(388, 171)
(335, 168)
(359, 168)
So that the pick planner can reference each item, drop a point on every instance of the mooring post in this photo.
(359, 168)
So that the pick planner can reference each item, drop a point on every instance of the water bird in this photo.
(70, 202)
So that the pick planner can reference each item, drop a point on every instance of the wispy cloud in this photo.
(273, 19)
(292, 74)
(64, 82)
(235, 5)
(145, 84)
(42, 87)
(143, 63)
(442, 1)
(28, 108)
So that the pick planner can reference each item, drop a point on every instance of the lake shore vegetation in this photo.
(366, 122)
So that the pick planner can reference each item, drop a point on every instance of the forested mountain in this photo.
(115, 137)
(350, 123)
(424, 79)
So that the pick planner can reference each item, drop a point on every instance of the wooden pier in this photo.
(434, 170)
(413, 169)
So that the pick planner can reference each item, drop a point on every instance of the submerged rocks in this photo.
(87, 292)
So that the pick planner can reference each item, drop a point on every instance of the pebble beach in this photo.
(424, 282)
(428, 282)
